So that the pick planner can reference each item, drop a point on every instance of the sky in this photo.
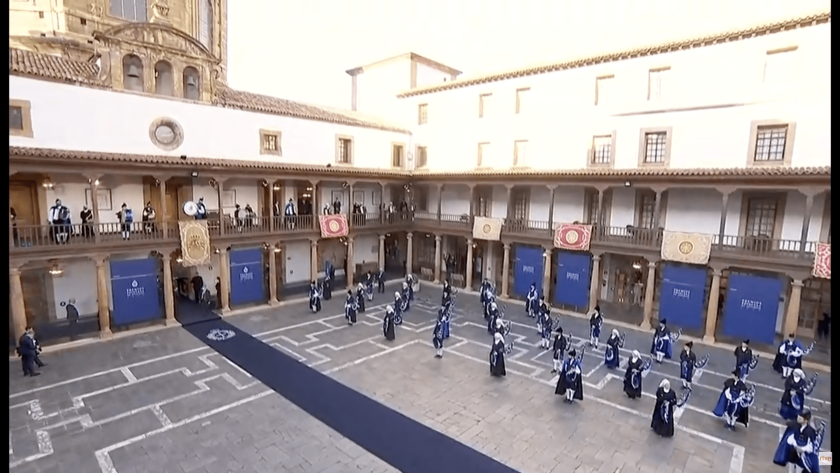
(299, 49)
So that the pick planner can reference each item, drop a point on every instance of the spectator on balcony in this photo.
(200, 210)
(237, 218)
(336, 206)
(289, 214)
(86, 216)
(126, 218)
(59, 217)
(13, 222)
(250, 215)
(148, 218)
(276, 210)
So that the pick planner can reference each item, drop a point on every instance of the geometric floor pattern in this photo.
(164, 402)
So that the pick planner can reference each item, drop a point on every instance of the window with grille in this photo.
(520, 153)
(397, 152)
(656, 83)
(270, 142)
(484, 105)
(602, 149)
(655, 147)
(521, 97)
(770, 142)
(761, 217)
(131, 10)
(483, 202)
(603, 87)
(422, 158)
(646, 206)
(519, 201)
(592, 208)
(15, 118)
(205, 25)
(345, 150)
(481, 159)
(423, 114)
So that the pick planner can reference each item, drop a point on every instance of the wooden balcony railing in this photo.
(526, 227)
(628, 235)
(40, 236)
(376, 219)
(764, 247)
(458, 221)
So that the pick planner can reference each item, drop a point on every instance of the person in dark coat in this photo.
(360, 297)
(662, 421)
(388, 326)
(634, 375)
(28, 351)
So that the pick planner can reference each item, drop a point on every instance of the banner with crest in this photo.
(573, 236)
(333, 226)
(691, 248)
(822, 261)
(195, 242)
(486, 228)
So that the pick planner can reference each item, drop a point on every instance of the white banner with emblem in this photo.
(486, 228)
(691, 248)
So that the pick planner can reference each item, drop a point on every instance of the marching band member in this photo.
(531, 301)
(448, 308)
(406, 296)
(662, 421)
(360, 297)
(447, 293)
(438, 335)
(399, 308)
(388, 326)
(380, 281)
(493, 317)
(483, 292)
(596, 321)
(489, 299)
(734, 402)
(793, 399)
(314, 297)
(634, 375)
(545, 323)
(409, 282)
(369, 286)
(743, 359)
(789, 356)
(800, 445)
(559, 349)
(570, 382)
(688, 360)
(497, 355)
(612, 355)
(661, 345)
(539, 303)
(351, 305)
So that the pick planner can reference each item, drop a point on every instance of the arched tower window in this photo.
(131, 10)
(205, 23)
(133, 73)
(192, 84)
(164, 82)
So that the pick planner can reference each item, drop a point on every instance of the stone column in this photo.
(469, 270)
(792, 315)
(316, 205)
(409, 253)
(94, 205)
(806, 224)
(437, 258)
(546, 284)
(224, 280)
(219, 185)
(313, 260)
(506, 271)
(382, 252)
(595, 282)
(272, 276)
(162, 216)
(657, 207)
(649, 292)
(712, 310)
(103, 297)
(551, 195)
(724, 207)
(270, 204)
(168, 290)
(18, 307)
(351, 264)
(440, 202)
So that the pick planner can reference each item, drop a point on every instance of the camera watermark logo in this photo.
(825, 458)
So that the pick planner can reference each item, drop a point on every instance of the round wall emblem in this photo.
(572, 237)
(334, 226)
(166, 134)
(486, 228)
(686, 247)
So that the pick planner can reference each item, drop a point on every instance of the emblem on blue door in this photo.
(134, 283)
(220, 335)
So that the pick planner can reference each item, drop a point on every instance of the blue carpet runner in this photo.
(399, 441)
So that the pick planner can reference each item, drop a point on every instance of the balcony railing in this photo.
(526, 227)
(40, 236)
(764, 247)
(370, 220)
(629, 236)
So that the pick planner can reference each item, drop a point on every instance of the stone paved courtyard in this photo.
(164, 402)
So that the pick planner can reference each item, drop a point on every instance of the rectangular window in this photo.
(397, 152)
(421, 159)
(656, 83)
(602, 149)
(423, 114)
(779, 67)
(645, 207)
(15, 118)
(521, 97)
(603, 89)
(484, 105)
(655, 147)
(520, 152)
(592, 210)
(770, 143)
(761, 217)
(483, 203)
(482, 158)
(20, 118)
(519, 201)
(131, 10)
(270, 142)
(344, 151)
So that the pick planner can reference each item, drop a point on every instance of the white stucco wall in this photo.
(297, 257)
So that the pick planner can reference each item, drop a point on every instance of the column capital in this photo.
(99, 260)
(552, 187)
(313, 243)
(409, 235)
(596, 257)
(469, 241)
(164, 256)
(381, 237)
(652, 265)
(438, 238)
(350, 240)
(222, 250)
(161, 178)
(93, 178)
(14, 270)
(506, 246)
(717, 273)
(797, 283)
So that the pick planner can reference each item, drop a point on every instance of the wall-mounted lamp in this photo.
(213, 183)
(48, 184)
(216, 251)
(276, 187)
(637, 266)
(194, 174)
(94, 182)
(179, 260)
(309, 189)
(56, 271)
(264, 183)
(277, 249)
(344, 185)
(157, 182)
(627, 183)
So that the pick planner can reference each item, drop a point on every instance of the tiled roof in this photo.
(28, 63)
(90, 157)
(192, 163)
(691, 43)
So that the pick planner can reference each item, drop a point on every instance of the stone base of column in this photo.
(274, 303)
(645, 325)
(106, 334)
(172, 323)
(708, 339)
(436, 281)
(225, 312)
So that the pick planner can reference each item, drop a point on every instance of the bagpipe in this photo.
(797, 401)
(509, 348)
(369, 288)
(792, 356)
(622, 338)
(672, 336)
(818, 439)
(683, 399)
(701, 363)
(746, 398)
(352, 303)
(636, 379)
(578, 359)
(505, 323)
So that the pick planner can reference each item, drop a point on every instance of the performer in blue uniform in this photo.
(544, 315)
(793, 399)
(399, 308)
(744, 360)
(329, 279)
(380, 281)
(314, 297)
(448, 310)
(662, 421)
(497, 355)
(351, 306)
(662, 342)
(369, 286)
(437, 335)
(388, 326)
(360, 297)
(689, 364)
(446, 296)
(409, 283)
(800, 445)
(734, 402)
(570, 381)
(789, 356)
(561, 343)
(531, 303)
(612, 354)
(493, 316)
(406, 296)
(596, 321)
(635, 374)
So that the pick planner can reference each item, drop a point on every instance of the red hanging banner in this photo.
(334, 226)
(575, 237)
(822, 261)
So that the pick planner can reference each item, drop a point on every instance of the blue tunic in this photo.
(662, 342)
(612, 356)
(804, 437)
